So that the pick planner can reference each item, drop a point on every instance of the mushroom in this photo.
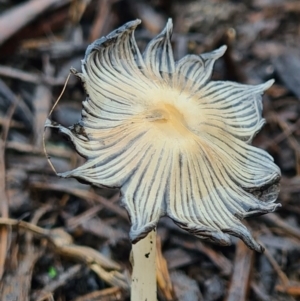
(173, 141)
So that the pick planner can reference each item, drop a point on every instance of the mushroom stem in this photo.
(143, 283)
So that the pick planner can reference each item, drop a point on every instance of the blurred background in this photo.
(62, 240)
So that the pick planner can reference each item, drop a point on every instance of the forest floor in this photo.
(63, 240)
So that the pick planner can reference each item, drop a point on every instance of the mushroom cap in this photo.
(173, 141)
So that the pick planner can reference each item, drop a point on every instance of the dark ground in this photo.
(69, 241)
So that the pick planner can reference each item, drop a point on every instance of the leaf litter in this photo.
(80, 231)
